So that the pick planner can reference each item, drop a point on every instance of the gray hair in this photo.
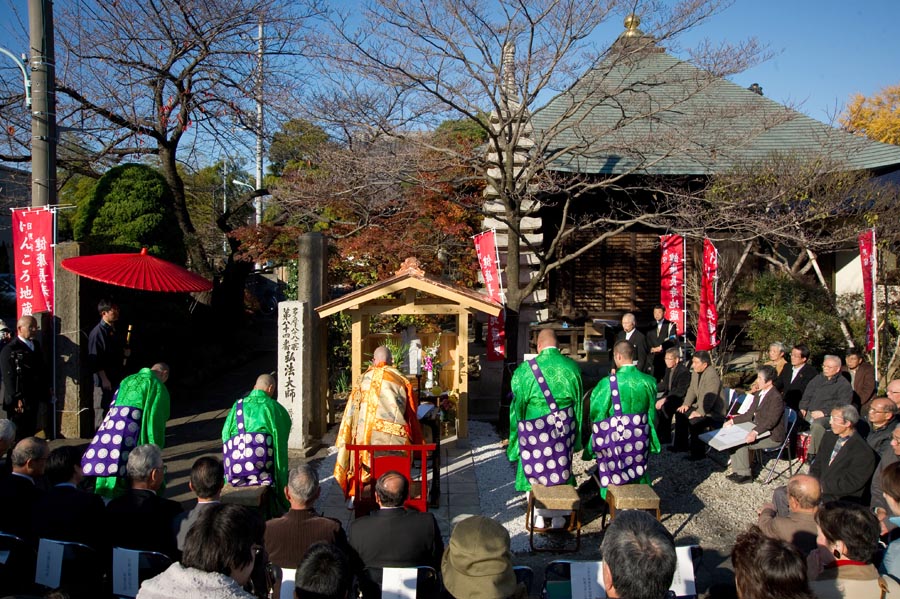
(640, 554)
(848, 413)
(831, 358)
(7, 430)
(29, 448)
(779, 345)
(303, 481)
(143, 460)
(628, 316)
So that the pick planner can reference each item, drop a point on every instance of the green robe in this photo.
(140, 390)
(564, 380)
(637, 394)
(262, 414)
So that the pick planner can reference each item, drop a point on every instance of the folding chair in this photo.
(557, 580)
(735, 400)
(81, 569)
(428, 583)
(148, 563)
(790, 419)
(524, 575)
(17, 563)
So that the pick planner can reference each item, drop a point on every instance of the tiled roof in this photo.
(651, 113)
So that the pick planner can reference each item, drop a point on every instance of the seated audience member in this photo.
(323, 573)
(638, 557)
(889, 455)
(671, 390)
(767, 568)
(827, 391)
(141, 519)
(18, 492)
(7, 440)
(841, 566)
(207, 480)
(290, 536)
(478, 562)
(795, 379)
(220, 552)
(766, 413)
(861, 375)
(882, 420)
(777, 360)
(375, 538)
(703, 408)
(845, 465)
(891, 485)
(799, 527)
(66, 512)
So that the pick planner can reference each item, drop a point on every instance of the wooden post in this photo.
(359, 328)
(462, 373)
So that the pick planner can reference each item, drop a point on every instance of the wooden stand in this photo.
(631, 497)
(560, 497)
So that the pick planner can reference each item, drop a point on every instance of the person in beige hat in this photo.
(478, 563)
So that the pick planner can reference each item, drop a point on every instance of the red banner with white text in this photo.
(33, 256)
(671, 275)
(867, 256)
(486, 248)
(708, 317)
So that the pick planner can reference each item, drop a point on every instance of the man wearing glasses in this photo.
(845, 462)
(882, 420)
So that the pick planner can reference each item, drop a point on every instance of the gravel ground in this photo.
(699, 505)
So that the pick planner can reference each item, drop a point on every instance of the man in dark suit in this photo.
(671, 390)
(795, 379)
(767, 415)
(141, 519)
(18, 492)
(861, 375)
(207, 480)
(845, 462)
(289, 537)
(25, 382)
(637, 340)
(660, 337)
(65, 512)
(7, 440)
(393, 536)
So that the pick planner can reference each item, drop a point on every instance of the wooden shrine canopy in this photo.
(418, 294)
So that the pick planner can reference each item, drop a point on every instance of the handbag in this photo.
(107, 453)
(620, 443)
(248, 456)
(545, 443)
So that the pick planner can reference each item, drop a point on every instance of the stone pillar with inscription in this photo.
(312, 289)
(293, 326)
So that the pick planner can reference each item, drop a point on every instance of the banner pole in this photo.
(874, 267)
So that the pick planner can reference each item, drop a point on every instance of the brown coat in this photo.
(798, 528)
(289, 537)
(766, 417)
(705, 394)
(863, 384)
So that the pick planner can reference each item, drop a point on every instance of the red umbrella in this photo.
(137, 271)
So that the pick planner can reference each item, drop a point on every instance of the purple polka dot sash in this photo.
(621, 443)
(249, 457)
(108, 451)
(545, 443)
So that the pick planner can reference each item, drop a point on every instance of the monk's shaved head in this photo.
(382, 354)
(546, 338)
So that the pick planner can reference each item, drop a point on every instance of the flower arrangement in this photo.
(431, 364)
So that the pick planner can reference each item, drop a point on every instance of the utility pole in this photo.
(260, 55)
(43, 110)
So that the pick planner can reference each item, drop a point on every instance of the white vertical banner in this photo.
(292, 325)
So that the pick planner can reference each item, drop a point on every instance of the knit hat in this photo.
(478, 563)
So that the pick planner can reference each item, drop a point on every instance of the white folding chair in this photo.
(790, 420)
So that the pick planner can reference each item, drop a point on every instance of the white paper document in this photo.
(287, 582)
(126, 567)
(398, 583)
(49, 563)
(731, 436)
(684, 584)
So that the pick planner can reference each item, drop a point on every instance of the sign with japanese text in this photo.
(671, 275)
(486, 249)
(867, 256)
(708, 316)
(33, 256)
(292, 325)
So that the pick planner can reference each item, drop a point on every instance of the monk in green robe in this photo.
(263, 414)
(563, 378)
(145, 390)
(637, 395)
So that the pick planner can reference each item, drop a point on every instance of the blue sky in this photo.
(824, 50)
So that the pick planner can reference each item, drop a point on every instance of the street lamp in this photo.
(257, 202)
(25, 79)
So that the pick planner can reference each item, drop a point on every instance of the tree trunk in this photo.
(511, 328)
(195, 251)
